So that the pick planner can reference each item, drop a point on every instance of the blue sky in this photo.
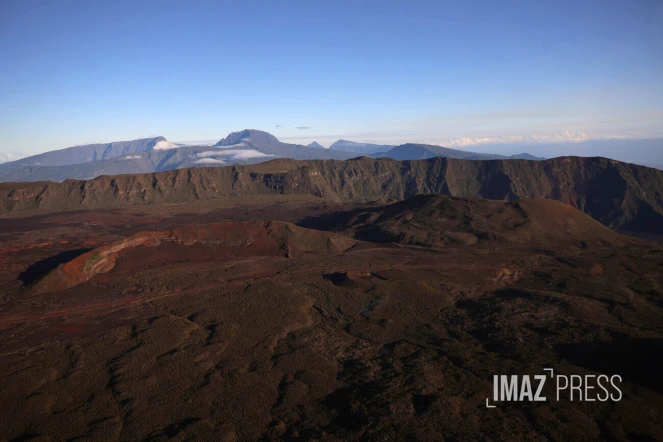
(446, 72)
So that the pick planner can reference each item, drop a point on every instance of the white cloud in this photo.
(231, 146)
(130, 157)
(457, 138)
(207, 154)
(562, 137)
(233, 154)
(164, 145)
(196, 143)
(246, 154)
(209, 161)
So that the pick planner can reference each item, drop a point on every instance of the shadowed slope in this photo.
(438, 221)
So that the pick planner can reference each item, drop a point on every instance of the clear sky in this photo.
(448, 72)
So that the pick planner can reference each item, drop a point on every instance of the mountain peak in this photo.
(251, 135)
(316, 145)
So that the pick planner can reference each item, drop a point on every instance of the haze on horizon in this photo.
(465, 75)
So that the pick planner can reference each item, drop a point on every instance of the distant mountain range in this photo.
(156, 155)
(269, 146)
(411, 151)
(362, 148)
(244, 147)
(95, 152)
(88, 161)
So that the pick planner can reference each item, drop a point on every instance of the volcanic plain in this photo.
(288, 317)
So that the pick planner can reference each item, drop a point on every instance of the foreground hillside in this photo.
(442, 221)
(619, 195)
(144, 324)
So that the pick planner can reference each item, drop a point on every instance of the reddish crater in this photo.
(217, 241)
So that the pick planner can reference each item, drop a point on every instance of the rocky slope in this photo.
(619, 195)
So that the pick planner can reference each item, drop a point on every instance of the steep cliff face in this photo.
(617, 194)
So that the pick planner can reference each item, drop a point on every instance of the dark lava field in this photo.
(285, 317)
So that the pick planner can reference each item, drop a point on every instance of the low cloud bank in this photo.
(231, 154)
(230, 146)
(209, 161)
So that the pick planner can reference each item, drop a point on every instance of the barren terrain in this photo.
(287, 317)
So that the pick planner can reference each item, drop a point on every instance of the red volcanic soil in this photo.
(291, 319)
(213, 242)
